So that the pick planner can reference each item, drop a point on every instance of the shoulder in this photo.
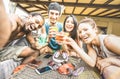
(46, 21)
(59, 24)
(14, 17)
(13, 20)
(110, 39)
(46, 24)
(112, 42)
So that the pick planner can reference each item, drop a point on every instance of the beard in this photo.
(25, 30)
(30, 25)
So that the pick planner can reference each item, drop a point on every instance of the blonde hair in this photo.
(89, 21)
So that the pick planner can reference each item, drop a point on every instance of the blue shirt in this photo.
(53, 44)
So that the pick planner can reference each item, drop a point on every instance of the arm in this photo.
(89, 58)
(5, 27)
(34, 41)
(112, 43)
(65, 48)
(15, 21)
(79, 42)
(31, 40)
(103, 63)
(43, 30)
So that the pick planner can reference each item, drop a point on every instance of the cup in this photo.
(66, 33)
(53, 31)
(54, 28)
(59, 37)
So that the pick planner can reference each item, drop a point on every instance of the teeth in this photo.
(85, 37)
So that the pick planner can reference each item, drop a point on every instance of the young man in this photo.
(54, 12)
(11, 56)
(19, 28)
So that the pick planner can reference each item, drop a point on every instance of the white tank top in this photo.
(104, 51)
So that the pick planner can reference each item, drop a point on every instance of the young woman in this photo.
(70, 27)
(103, 50)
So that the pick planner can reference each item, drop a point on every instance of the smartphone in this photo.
(48, 56)
(43, 70)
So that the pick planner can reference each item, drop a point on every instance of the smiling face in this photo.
(33, 23)
(53, 16)
(69, 24)
(86, 32)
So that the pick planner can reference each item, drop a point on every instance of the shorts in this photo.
(7, 67)
(11, 52)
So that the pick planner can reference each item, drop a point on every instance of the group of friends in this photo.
(103, 51)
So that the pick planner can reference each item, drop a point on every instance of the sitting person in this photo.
(51, 27)
(18, 28)
(103, 50)
(69, 30)
(37, 39)
(54, 12)
(70, 27)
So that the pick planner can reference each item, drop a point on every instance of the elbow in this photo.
(92, 64)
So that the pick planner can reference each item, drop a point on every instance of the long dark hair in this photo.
(73, 33)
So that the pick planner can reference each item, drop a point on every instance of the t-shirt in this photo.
(53, 44)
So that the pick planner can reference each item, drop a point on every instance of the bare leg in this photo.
(112, 72)
(29, 54)
(46, 49)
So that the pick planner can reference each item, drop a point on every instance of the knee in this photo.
(106, 70)
(28, 52)
(106, 73)
(110, 73)
(36, 53)
(28, 49)
(31, 51)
